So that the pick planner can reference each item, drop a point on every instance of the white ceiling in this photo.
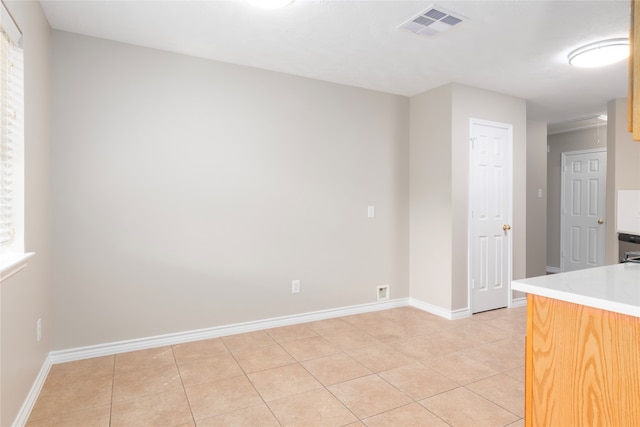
(514, 47)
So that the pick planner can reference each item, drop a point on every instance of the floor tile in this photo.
(503, 355)
(313, 408)
(516, 326)
(80, 370)
(258, 415)
(282, 382)
(349, 339)
(502, 390)
(310, 348)
(516, 373)
(368, 396)
(221, 396)
(247, 341)
(91, 417)
(198, 349)
(418, 348)
(380, 358)
(461, 407)
(142, 382)
(482, 333)
(417, 381)
(327, 324)
(336, 368)
(447, 342)
(387, 331)
(168, 409)
(290, 333)
(412, 415)
(142, 359)
(461, 368)
(259, 359)
(423, 327)
(59, 399)
(364, 320)
(216, 367)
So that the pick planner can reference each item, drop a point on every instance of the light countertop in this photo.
(613, 287)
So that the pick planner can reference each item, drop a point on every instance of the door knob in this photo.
(506, 227)
(600, 221)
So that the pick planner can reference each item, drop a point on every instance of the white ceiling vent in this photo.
(434, 20)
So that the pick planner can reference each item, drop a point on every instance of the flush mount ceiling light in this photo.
(269, 4)
(600, 53)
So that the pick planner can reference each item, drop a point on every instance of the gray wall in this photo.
(582, 139)
(536, 206)
(440, 188)
(431, 198)
(623, 172)
(26, 296)
(189, 193)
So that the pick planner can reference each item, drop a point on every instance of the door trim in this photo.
(509, 128)
(563, 160)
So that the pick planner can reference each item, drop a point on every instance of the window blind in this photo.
(11, 121)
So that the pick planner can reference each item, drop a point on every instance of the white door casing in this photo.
(583, 195)
(490, 214)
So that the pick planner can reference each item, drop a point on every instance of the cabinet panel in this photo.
(583, 366)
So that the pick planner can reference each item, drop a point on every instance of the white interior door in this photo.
(584, 176)
(490, 215)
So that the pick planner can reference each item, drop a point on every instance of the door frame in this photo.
(509, 194)
(564, 155)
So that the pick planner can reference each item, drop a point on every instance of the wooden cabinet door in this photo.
(582, 366)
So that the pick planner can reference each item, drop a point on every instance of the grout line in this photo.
(184, 390)
(113, 382)
(264, 402)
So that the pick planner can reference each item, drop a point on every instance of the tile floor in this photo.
(398, 367)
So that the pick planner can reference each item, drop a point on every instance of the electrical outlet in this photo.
(39, 330)
(383, 293)
(295, 286)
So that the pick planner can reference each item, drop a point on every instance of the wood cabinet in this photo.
(582, 365)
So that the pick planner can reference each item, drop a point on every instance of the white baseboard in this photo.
(30, 401)
(439, 311)
(216, 332)
(553, 269)
(519, 302)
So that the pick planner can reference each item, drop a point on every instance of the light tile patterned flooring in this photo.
(397, 367)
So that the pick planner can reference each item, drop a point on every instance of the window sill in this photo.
(11, 264)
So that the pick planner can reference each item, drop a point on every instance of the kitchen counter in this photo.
(582, 349)
(613, 288)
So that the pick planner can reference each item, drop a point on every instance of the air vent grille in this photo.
(432, 21)
(435, 14)
(423, 21)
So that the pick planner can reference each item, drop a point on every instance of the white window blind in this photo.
(11, 127)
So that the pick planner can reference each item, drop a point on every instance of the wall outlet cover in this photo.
(295, 286)
(383, 293)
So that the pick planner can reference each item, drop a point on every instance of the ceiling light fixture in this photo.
(600, 53)
(269, 4)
